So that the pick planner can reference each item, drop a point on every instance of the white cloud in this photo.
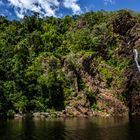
(1, 14)
(19, 13)
(44, 7)
(72, 4)
(47, 7)
(109, 2)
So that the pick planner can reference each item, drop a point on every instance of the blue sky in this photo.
(16, 9)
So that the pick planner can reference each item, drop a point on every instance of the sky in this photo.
(17, 9)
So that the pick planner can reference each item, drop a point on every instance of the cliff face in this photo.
(93, 87)
(133, 78)
(100, 88)
(129, 29)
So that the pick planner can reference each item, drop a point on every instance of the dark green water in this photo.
(70, 129)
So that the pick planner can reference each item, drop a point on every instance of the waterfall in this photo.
(136, 59)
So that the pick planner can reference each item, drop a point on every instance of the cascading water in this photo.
(136, 59)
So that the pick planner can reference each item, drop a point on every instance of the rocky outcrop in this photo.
(123, 22)
(129, 30)
(109, 103)
(92, 94)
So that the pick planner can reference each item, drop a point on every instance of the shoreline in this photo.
(57, 115)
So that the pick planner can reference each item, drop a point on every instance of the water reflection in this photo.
(70, 129)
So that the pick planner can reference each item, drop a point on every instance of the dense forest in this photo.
(81, 63)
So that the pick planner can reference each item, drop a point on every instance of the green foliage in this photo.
(91, 96)
(21, 104)
(96, 108)
(106, 74)
(55, 90)
(41, 60)
(10, 113)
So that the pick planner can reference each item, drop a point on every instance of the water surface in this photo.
(70, 129)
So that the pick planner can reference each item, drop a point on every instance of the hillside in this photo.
(76, 66)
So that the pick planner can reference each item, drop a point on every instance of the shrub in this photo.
(10, 113)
